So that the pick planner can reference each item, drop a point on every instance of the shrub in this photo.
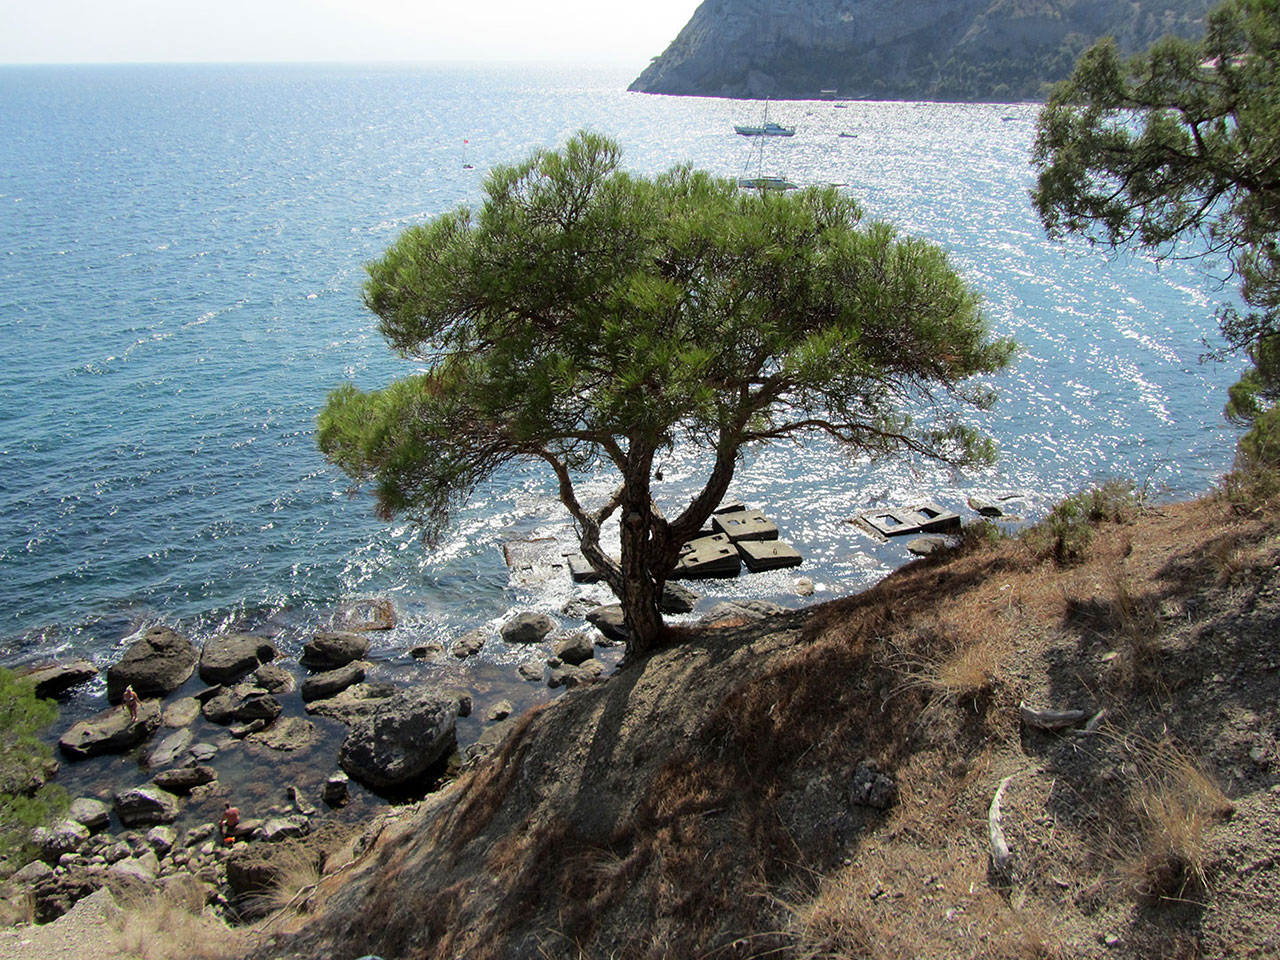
(1066, 533)
(26, 800)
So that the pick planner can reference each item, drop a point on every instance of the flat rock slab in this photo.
(291, 733)
(357, 701)
(581, 571)
(745, 525)
(184, 779)
(111, 731)
(761, 555)
(170, 749)
(332, 682)
(227, 658)
(52, 679)
(154, 665)
(536, 561)
(181, 713)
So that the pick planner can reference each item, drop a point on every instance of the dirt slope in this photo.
(707, 801)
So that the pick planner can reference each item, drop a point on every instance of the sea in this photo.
(182, 250)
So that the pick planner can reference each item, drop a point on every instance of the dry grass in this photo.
(174, 925)
(1176, 803)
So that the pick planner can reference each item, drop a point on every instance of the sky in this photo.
(174, 31)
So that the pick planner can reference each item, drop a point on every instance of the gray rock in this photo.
(143, 806)
(531, 671)
(328, 651)
(117, 852)
(181, 713)
(677, 599)
(744, 609)
(291, 733)
(184, 779)
(155, 665)
(242, 703)
(490, 739)
(170, 749)
(337, 790)
(321, 686)
(227, 658)
(527, 627)
(608, 619)
(422, 651)
(471, 643)
(401, 739)
(353, 703)
(285, 828)
(137, 868)
(275, 679)
(161, 839)
(928, 545)
(110, 731)
(575, 649)
(299, 801)
(804, 587)
(500, 711)
(575, 676)
(93, 813)
(34, 871)
(203, 752)
(52, 679)
(63, 837)
(871, 788)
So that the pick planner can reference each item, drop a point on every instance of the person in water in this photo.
(229, 822)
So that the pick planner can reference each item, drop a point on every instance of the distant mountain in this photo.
(997, 50)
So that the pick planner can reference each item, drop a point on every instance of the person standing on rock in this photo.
(229, 822)
(130, 701)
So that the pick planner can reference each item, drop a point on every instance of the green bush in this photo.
(26, 800)
(1066, 533)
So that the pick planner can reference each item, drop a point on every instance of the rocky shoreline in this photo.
(300, 745)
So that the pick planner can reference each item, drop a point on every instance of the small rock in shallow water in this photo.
(500, 711)
(530, 671)
(527, 627)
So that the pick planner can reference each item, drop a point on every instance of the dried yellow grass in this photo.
(175, 925)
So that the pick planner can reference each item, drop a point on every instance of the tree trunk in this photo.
(639, 595)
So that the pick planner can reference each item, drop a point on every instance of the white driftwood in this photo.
(1092, 726)
(1050, 719)
(1000, 855)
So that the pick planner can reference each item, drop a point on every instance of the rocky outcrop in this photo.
(155, 665)
(997, 50)
(146, 806)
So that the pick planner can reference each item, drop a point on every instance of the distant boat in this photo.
(766, 183)
(843, 134)
(770, 129)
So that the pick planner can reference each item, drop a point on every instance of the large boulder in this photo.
(145, 806)
(400, 739)
(331, 682)
(527, 627)
(229, 657)
(328, 651)
(110, 731)
(155, 665)
(575, 649)
(64, 836)
(677, 598)
(52, 679)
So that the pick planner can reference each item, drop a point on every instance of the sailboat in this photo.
(760, 181)
(767, 129)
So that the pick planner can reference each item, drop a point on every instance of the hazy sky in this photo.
(594, 31)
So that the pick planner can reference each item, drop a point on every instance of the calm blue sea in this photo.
(181, 255)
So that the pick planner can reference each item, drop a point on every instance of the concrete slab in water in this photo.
(761, 555)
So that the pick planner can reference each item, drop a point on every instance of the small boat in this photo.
(770, 129)
(843, 134)
(766, 183)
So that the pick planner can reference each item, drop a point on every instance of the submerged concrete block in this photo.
(707, 557)
(761, 555)
(745, 525)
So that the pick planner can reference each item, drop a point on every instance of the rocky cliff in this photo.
(999, 50)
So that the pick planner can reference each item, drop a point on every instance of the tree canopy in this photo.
(584, 317)
(1177, 144)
